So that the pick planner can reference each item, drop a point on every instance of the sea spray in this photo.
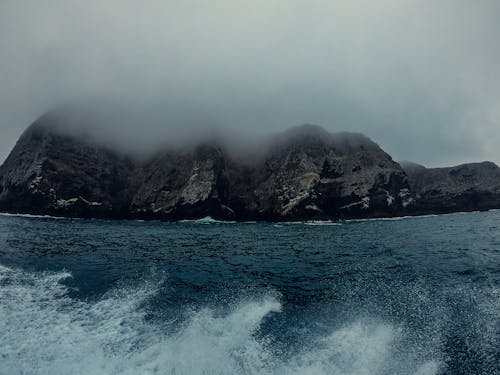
(44, 331)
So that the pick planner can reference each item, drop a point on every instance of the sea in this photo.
(411, 295)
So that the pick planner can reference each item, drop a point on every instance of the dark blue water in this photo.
(409, 296)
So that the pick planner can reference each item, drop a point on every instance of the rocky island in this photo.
(305, 173)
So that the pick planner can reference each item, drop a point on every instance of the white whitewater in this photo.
(43, 331)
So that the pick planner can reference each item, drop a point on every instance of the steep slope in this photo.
(304, 173)
(49, 172)
(183, 185)
(466, 187)
(310, 173)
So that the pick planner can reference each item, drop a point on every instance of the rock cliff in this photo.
(49, 172)
(304, 173)
(466, 187)
(181, 185)
(309, 173)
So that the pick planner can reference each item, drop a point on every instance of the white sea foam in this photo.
(395, 218)
(310, 222)
(44, 331)
(32, 216)
(208, 220)
(319, 222)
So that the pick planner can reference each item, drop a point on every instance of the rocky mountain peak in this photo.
(305, 173)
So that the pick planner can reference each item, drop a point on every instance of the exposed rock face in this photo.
(311, 174)
(182, 185)
(51, 173)
(466, 187)
(305, 173)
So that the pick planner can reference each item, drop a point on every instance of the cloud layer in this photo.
(420, 77)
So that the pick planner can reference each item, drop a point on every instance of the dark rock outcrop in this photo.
(466, 187)
(180, 185)
(51, 173)
(305, 173)
(309, 173)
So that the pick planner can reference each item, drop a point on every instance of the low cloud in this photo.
(417, 76)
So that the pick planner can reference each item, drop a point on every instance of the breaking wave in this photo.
(45, 331)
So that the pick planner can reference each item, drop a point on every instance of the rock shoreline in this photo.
(305, 174)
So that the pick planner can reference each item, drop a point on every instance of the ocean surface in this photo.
(402, 296)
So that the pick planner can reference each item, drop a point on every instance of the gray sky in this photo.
(420, 77)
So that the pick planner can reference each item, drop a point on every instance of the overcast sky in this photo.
(420, 77)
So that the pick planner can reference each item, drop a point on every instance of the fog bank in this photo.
(417, 76)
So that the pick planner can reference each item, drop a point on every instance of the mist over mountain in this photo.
(418, 77)
(127, 128)
(304, 173)
(214, 187)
